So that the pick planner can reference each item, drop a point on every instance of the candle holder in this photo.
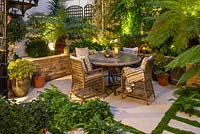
(116, 51)
(107, 53)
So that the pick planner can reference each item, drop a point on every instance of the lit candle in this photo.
(115, 51)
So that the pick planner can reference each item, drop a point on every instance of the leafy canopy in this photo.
(179, 20)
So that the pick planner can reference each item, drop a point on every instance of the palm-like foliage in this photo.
(54, 6)
(191, 56)
(62, 26)
(180, 21)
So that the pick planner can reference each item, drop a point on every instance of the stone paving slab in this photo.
(184, 126)
(187, 116)
(167, 132)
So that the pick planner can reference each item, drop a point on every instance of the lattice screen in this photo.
(75, 11)
(88, 11)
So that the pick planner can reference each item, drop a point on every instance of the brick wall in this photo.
(53, 66)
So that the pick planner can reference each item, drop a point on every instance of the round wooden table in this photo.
(123, 60)
(114, 66)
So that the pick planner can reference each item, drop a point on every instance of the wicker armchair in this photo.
(137, 82)
(86, 84)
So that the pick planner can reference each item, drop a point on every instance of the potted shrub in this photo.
(19, 72)
(160, 61)
(38, 79)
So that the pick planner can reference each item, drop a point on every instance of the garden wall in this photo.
(53, 66)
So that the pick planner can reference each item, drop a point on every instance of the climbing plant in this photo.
(124, 16)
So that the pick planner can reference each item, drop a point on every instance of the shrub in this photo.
(21, 69)
(85, 43)
(38, 47)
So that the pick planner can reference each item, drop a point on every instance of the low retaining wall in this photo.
(53, 66)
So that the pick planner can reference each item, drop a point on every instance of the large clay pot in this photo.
(21, 87)
(39, 81)
(163, 79)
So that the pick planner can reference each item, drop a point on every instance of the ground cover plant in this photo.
(188, 99)
(52, 110)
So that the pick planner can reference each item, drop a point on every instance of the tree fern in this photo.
(191, 56)
(54, 6)
(179, 20)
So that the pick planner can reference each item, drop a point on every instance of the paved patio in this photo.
(129, 111)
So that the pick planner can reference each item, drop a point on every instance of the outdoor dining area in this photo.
(88, 82)
(99, 67)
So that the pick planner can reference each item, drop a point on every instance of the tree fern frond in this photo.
(165, 4)
(192, 55)
(189, 73)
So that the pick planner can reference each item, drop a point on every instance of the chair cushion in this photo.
(79, 59)
(87, 63)
(133, 74)
(82, 52)
(133, 51)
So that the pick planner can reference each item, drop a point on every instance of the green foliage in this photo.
(160, 62)
(178, 20)
(60, 25)
(86, 43)
(34, 24)
(105, 126)
(21, 69)
(126, 16)
(16, 30)
(37, 47)
(54, 6)
(131, 41)
(187, 100)
(16, 119)
(191, 56)
(53, 110)
(190, 98)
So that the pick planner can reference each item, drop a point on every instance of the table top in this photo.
(122, 60)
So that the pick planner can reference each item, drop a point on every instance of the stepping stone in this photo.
(197, 108)
(186, 116)
(167, 132)
(183, 126)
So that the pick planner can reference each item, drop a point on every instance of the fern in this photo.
(54, 6)
(190, 56)
(179, 20)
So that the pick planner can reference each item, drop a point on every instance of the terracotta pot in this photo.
(39, 81)
(163, 79)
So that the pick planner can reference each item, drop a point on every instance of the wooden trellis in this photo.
(75, 11)
(88, 11)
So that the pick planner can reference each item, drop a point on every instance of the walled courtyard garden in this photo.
(42, 44)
